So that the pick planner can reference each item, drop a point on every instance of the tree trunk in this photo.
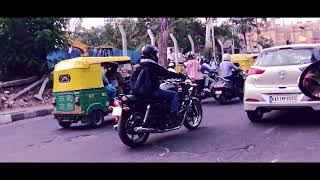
(245, 41)
(208, 43)
(163, 41)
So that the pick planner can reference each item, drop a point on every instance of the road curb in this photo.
(25, 115)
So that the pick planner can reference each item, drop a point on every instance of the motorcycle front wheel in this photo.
(126, 131)
(193, 116)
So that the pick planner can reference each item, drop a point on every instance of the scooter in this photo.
(226, 89)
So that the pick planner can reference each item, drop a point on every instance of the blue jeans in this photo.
(169, 96)
(111, 91)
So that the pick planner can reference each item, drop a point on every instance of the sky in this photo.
(93, 22)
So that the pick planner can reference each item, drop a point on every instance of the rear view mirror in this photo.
(309, 82)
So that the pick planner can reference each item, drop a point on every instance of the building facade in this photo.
(308, 32)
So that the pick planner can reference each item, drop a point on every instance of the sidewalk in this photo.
(25, 113)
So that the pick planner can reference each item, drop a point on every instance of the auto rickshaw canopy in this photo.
(245, 60)
(82, 72)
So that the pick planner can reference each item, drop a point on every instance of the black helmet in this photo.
(150, 52)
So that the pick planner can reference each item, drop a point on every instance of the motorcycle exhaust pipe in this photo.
(151, 130)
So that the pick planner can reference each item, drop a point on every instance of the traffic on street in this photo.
(165, 104)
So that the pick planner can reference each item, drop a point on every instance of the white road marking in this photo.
(166, 149)
(270, 130)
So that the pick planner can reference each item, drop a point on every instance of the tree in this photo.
(243, 26)
(185, 26)
(165, 24)
(25, 43)
(265, 42)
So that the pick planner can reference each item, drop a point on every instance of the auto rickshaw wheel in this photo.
(65, 124)
(97, 118)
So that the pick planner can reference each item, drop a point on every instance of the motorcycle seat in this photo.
(134, 98)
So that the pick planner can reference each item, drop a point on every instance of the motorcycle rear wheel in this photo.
(126, 127)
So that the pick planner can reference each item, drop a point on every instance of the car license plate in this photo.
(279, 99)
(116, 111)
(218, 92)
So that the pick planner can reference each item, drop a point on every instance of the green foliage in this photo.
(265, 42)
(25, 43)
(207, 53)
(185, 26)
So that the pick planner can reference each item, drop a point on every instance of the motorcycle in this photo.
(136, 118)
(309, 81)
(225, 89)
(200, 93)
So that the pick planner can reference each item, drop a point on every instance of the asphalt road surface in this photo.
(225, 135)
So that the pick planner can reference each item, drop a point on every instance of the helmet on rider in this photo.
(190, 55)
(226, 57)
(150, 52)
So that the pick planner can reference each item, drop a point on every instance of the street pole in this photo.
(213, 40)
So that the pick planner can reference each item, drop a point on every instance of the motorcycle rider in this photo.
(193, 68)
(206, 69)
(149, 62)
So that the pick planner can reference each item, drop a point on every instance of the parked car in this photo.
(272, 81)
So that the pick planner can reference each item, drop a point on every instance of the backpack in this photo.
(143, 85)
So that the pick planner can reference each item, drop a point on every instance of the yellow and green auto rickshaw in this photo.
(78, 90)
(244, 60)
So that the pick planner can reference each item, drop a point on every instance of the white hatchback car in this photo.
(272, 82)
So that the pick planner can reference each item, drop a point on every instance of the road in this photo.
(225, 135)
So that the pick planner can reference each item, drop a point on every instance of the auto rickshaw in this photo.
(244, 60)
(78, 90)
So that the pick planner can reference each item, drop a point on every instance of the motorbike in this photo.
(136, 118)
(309, 81)
(225, 89)
(200, 93)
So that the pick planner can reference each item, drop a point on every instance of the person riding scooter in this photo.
(226, 68)
(145, 81)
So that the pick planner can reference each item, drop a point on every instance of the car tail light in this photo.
(252, 71)
(218, 85)
(252, 100)
(77, 100)
(117, 103)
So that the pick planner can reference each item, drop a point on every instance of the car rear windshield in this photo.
(284, 57)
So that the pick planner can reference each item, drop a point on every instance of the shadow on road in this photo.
(80, 127)
(213, 102)
(183, 140)
(297, 117)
